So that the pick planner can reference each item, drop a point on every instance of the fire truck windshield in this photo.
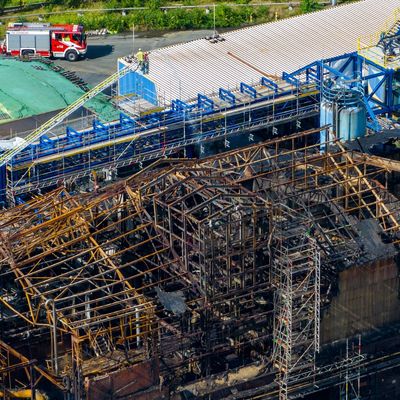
(77, 37)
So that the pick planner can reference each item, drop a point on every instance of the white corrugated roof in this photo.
(182, 71)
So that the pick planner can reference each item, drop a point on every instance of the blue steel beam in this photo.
(373, 76)
(126, 121)
(317, 65)
(326, 70)
(336, 72)
(98, 126)
(204, 103)
(150, 145)
(390, 94)
(290, 78)
(304, 69)
(227, 96)
(351, 59)
(375, 123)
(313, 73)
(245, 88)
(73, 136)
(377, 87)
(179, 105)
(269, 84)
(46, 142)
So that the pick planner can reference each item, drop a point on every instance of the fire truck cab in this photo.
(59, 41)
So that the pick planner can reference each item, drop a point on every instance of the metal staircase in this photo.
(53, 122)
(382, 46)
(389, 40)
(392, 25)
(394, 30)
(100, 342)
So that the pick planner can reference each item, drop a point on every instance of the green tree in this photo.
(309, 5)
(3, 3)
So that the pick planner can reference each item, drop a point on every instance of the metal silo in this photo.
(342, 108)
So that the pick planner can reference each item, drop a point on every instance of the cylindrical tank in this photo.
(343, 109)
(326, 118)
(352, 123)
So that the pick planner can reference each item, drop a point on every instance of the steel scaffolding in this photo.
(296, 277)
(199, 264)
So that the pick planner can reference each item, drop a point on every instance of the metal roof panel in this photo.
(183, 70)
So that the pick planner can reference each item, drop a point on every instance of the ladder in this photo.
(394, 30)
(100, 341)
(53, 122)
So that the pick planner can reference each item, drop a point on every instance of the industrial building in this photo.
(269, 49)
(234, 234)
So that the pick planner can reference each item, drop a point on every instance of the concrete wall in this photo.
(368, 299)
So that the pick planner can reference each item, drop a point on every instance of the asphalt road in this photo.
(103, 52)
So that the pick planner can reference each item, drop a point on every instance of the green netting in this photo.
(102, 107)
(31, 88)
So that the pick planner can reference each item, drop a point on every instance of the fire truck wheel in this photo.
(71, 55)
(27, 53)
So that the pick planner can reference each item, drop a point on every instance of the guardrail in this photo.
(371, 40)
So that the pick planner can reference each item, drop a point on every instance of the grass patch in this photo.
(155, 18)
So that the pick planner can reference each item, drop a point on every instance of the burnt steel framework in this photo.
(189, 263)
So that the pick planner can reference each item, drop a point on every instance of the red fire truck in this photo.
(60, 41)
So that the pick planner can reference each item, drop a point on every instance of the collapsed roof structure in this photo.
(187, 267)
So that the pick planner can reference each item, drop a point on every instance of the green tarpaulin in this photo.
(31, 88)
